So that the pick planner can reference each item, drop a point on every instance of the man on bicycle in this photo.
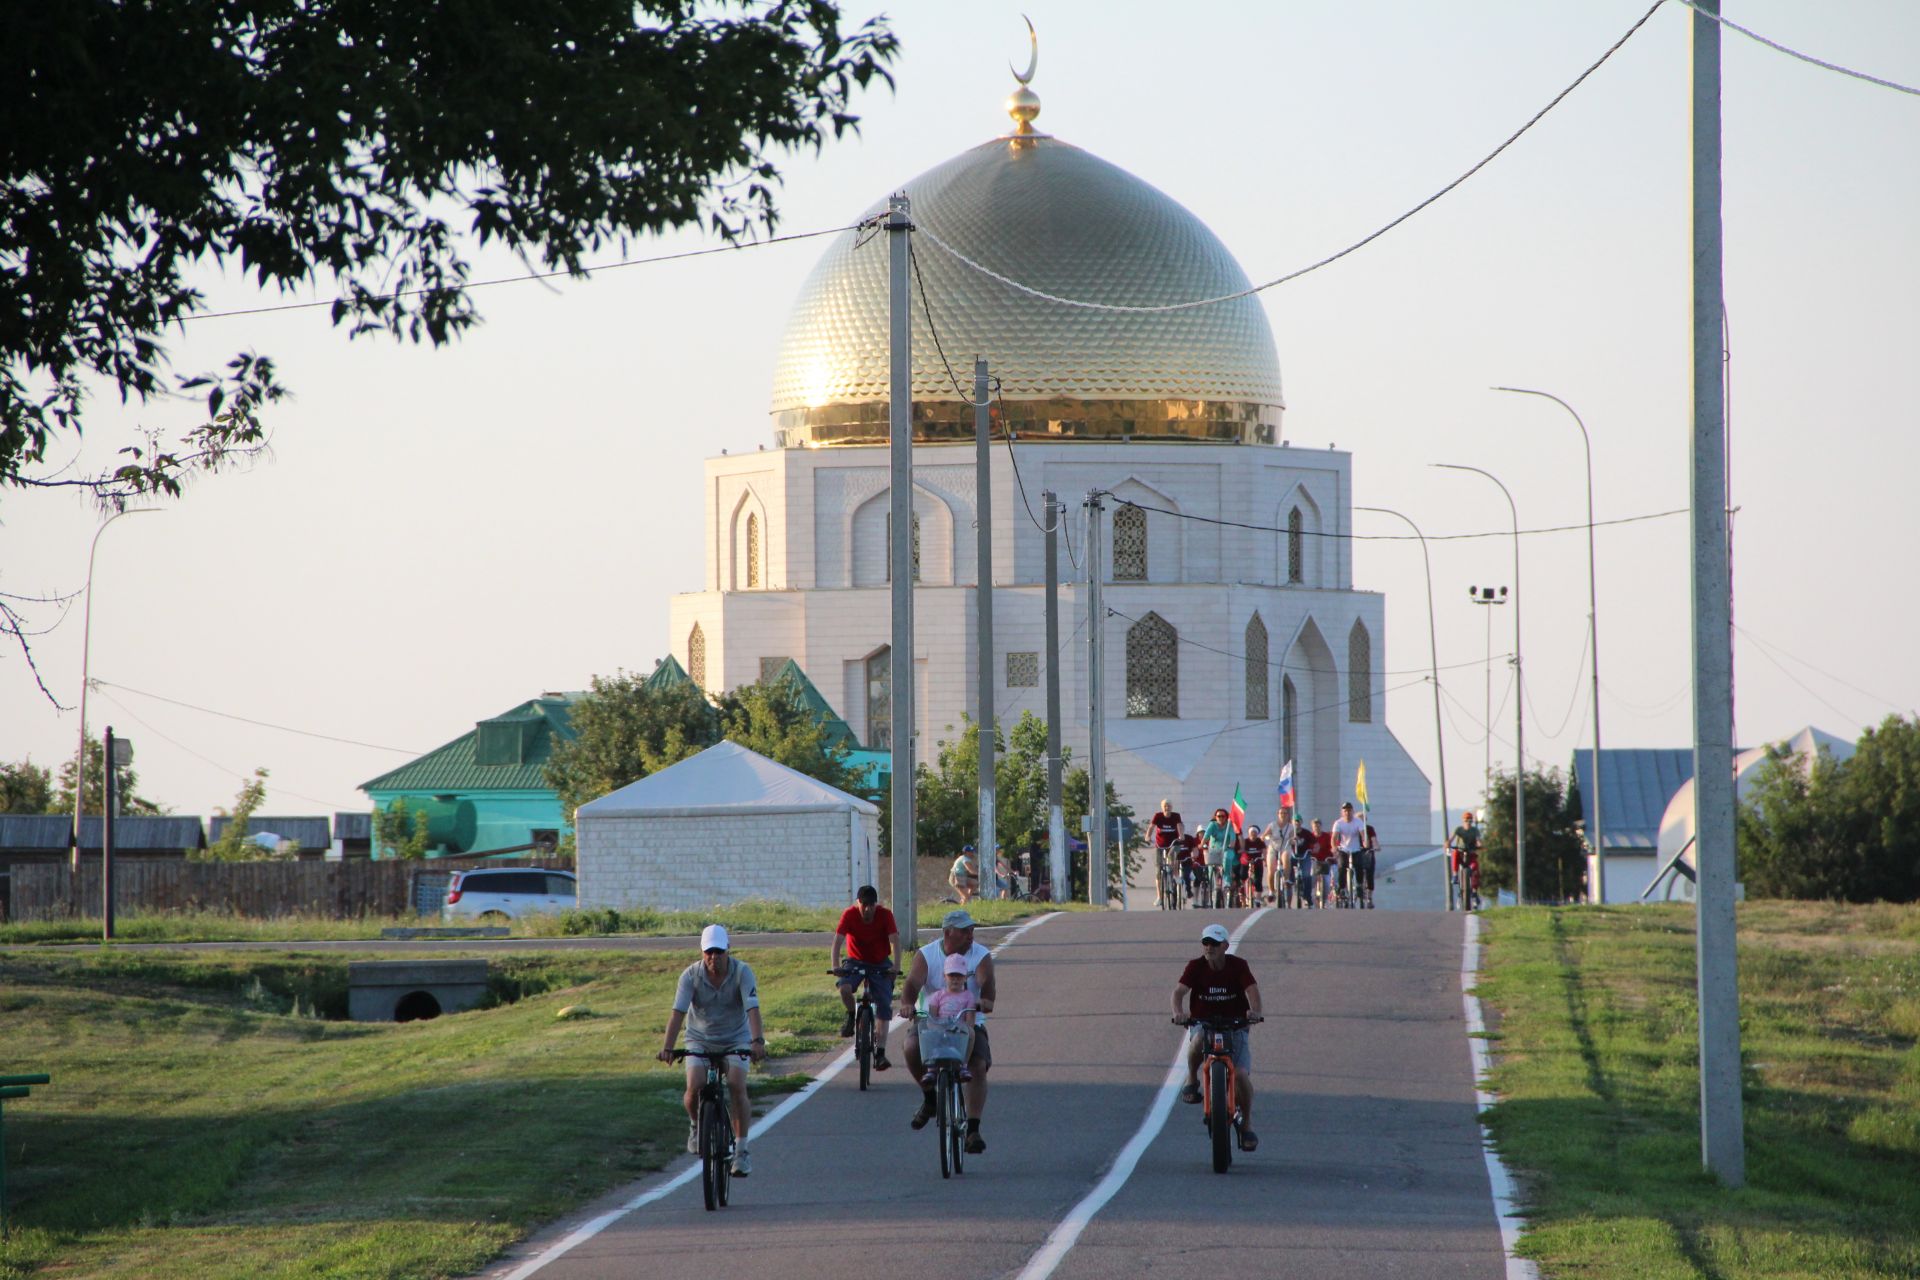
(1323, 862)
(718, 1000)
(1349, 839)
(1217, 845)
(1166, 839)
(872, 942)
(1465, 850)
(1219, 985)
(956, 939)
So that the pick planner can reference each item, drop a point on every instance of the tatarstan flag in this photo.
(1237, 815)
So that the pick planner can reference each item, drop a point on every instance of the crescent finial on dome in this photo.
(1023, 104)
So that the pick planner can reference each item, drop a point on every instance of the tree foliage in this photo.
(126, 783)
(359, 147)
(234, 844)
(1556, 853)
(770, 717)
(26, 787)
(1846, 830)
(400, 831)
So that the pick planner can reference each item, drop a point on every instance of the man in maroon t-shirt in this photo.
(1219, 985)
(872, 942)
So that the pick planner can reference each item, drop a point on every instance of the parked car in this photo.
(507, 893)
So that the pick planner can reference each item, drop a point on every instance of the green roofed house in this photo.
(487, 790)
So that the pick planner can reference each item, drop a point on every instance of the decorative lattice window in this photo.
(770, 667)
(697, 655)
(1153, 669)
(1296, 546)
(1289, 718)
(1256, 643)
(753, 549)
(1359, 675)
(880, 700)
(916, 547)
(1129, 545)
(1023, 670)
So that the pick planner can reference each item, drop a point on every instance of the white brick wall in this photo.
(682, 864)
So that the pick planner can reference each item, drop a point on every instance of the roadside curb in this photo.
(1499, 1178)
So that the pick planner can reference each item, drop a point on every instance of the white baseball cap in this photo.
(1214, 933)
(713, 938)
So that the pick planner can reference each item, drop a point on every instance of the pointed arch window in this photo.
(697, 655)
(753, 549)
(1153, 669)
(1256, 647)
(880, 699)
(1296, 547)
(1359, 674)
(1289, 718)
(1129, 545)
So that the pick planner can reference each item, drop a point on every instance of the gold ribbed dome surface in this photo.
(1066, 222)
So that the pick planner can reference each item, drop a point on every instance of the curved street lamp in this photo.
(1593, 641)
(1519, 700)
(86, 651)
(1433, 656)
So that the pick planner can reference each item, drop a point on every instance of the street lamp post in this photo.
(1433, 657)
(86, 653)
(1593, 642)
(1519, 701)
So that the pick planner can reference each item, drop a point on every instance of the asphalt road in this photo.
(688, 943)
(1370, 1161)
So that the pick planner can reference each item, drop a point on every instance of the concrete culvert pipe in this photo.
(416, 1006)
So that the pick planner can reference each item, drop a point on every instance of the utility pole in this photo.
(1096, 713)
(900, 562)
(109, 801)
(1722, 1144)
(1057, 863)
(983, 521)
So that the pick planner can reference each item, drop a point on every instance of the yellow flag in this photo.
(1360, 785)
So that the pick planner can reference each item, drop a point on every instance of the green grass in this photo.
(1598, 1113)
(204, 1122)
(742, 917)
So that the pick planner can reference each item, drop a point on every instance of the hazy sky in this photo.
(440, 535)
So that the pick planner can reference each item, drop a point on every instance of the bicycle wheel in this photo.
(723, 1162)
(957, 1108)
(1220, 1114)
(943, 1111)
(863, 1044)
(711, 1152)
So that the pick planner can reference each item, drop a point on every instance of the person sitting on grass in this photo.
(954, 1001)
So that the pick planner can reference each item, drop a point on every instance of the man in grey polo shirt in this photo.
(718, 1000)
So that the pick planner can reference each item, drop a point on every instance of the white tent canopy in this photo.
(724, 778)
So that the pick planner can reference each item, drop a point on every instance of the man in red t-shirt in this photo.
(872, 943)
(1219, 985)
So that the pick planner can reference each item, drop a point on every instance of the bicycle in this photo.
(865, 1047)
(1217, 1111)
(1168, 879)
(715, 1126)
(943, 1046)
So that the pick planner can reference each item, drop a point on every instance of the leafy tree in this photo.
(625, 731)
(26, 787)
(770, 717)
(400, 831)
(356, 148)
(1556, 853)
(125, 781)
(233, 844)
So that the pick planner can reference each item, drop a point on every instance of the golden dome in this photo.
(1061, 220)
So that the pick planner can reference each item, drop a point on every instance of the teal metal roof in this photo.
(839, 732)
(518, 744)
(668, 674)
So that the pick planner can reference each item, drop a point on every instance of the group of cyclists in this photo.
(1289, 865)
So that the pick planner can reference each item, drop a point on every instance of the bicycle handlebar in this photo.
(1220, 1024)
(738, 1051)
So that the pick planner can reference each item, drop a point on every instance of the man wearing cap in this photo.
(956, 939)
(1219, 985)
(718, 1000)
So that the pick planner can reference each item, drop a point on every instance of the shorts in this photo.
(879, 978)
(1239, 1048)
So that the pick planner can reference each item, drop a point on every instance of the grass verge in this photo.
(206, 1120)
(1596, 1071)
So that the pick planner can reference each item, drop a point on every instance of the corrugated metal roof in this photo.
(1636, 784)
(667, 675)
(353, 826)
(41, 833)
(839, 732)
(453, 767)
(311, 832)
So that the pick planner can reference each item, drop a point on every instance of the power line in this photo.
(1403, 537)
(1573, 700)
(1768, 644)
(148, 725)
(1448, 695)
(1810, 690)
(1660, 706)
(1795, 53)
(522, 279)
(264, 724)
(1331, 258)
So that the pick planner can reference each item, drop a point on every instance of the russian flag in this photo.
(1287, 798)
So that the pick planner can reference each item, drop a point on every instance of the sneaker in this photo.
(926, 1081)
(846, 1028)
(1249, 1141)
(743, 1160)
(975, 1143)
(693, 1138)
(966, 1074)
(1190, 1094)
(880, 1062)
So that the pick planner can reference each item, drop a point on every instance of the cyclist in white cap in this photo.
(1217, 984)
(718, 1000)
(956, 939)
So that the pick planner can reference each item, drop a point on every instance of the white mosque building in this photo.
(1229, 649)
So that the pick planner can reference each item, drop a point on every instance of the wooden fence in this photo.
(255, 890)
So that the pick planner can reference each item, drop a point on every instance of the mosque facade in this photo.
(1235, 638)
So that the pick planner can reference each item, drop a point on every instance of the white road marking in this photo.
(1064, 1236)
(594, 1226)
(1498, 1178)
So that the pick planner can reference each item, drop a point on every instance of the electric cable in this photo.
(209, 760)
(1404, 537)
(1581, 670)
(97, 683)
(1768, 644)
(1254, 724)
(1777, 47)
(1810, 690)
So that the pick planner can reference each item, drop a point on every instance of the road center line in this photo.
(1064, 1236)
(1498, 1179)
(594, 1226)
